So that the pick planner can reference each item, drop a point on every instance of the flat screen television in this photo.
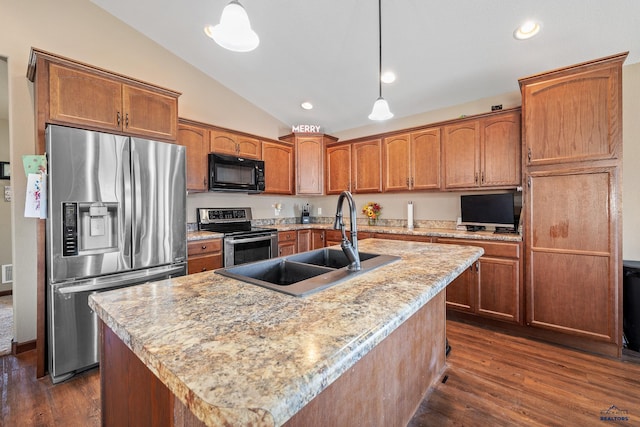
(495, 210)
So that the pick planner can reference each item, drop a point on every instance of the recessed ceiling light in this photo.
(388, 77)
(527, 30)
(306, 105)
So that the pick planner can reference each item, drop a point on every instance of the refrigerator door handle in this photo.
(126, 203)
(129, 279)
(137, 197)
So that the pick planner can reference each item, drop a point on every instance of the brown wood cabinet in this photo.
(411, 161)
(366, 171)
(287, 242)
(278, 167)
(573, 143)
(304, 240)
(483, 152)
(235, 144)
(317, 239)
(338, 169)
(310, 163)
(204, 255)
(89, 98)
(196, 138)
(492, 287)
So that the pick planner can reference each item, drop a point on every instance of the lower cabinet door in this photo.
(499, 289)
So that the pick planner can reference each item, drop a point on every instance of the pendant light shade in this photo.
(380, 110)
(380, 107)
(234, 30)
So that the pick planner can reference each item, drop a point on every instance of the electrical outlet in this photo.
(319, 211)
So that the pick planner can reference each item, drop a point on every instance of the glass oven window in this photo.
(251, 251)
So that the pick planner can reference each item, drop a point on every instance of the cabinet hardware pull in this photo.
(411, 182)
(529, 182)
(483, 177)
(529, 154)
(126, 120)
(475, 178)
(204, 269)
(203, 247)
(408, 183)
(118, 118)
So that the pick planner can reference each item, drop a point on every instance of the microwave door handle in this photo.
(248, 240)
(130, 279)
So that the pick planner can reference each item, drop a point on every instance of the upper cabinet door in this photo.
(196, 139)
(425, 159)
(396, 158)
(500, 150)
(366, 171)
(278, 167)
(310, 165)
(338, 169)
(235, 144)
(82, 98)
(461, 155)
(149, 113)
(572, 117)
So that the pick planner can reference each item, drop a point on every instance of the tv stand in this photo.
(475, 228)
(505, 230)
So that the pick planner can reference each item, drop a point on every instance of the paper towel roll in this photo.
(410, 215)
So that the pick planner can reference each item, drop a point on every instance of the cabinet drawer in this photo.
(495, 249)
(202, 247)
(204, 263)
(287, 236)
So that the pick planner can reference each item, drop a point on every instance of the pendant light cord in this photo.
(380, 48)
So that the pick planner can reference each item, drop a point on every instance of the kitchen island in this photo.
(212, 350)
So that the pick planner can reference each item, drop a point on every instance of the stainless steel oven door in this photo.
(254, 247)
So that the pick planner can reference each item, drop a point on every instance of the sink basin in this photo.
(333, 258)
(305, 273)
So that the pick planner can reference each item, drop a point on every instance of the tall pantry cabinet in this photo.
(572, 158)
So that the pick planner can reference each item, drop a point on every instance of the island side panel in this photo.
(130, 393)
(387, 385)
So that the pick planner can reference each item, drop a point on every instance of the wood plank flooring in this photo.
(493, 379)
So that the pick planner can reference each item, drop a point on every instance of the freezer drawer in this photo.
(73, 329)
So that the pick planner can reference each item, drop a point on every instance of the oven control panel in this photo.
(208, 216)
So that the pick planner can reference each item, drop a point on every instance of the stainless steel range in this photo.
(242, 242)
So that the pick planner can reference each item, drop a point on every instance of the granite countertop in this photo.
(240, 354)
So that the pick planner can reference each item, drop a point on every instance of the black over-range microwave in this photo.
(231, 173)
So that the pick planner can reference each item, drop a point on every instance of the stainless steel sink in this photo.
(305, 273)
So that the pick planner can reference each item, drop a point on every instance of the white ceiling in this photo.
(326, 51)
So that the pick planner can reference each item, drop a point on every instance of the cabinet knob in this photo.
(475, 178)
(203, 247)
(118, 118)
(126, 120)
(204, 269)
(529, 154)
(408, 183)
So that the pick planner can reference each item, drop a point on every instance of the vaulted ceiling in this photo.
(326, 51)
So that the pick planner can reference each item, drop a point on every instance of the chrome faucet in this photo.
(350, 248)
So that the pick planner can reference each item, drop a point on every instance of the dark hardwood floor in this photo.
(493, 379)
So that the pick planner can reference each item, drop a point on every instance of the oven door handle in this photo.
(236, 241)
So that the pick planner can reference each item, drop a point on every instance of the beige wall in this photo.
(80, 30)
(5, 207)
(631, 162)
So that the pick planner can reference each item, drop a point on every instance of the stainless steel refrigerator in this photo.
(116, 218)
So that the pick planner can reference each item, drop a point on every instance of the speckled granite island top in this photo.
(240, 354)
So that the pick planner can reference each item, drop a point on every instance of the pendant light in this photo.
(380, 107)
(234, 30)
